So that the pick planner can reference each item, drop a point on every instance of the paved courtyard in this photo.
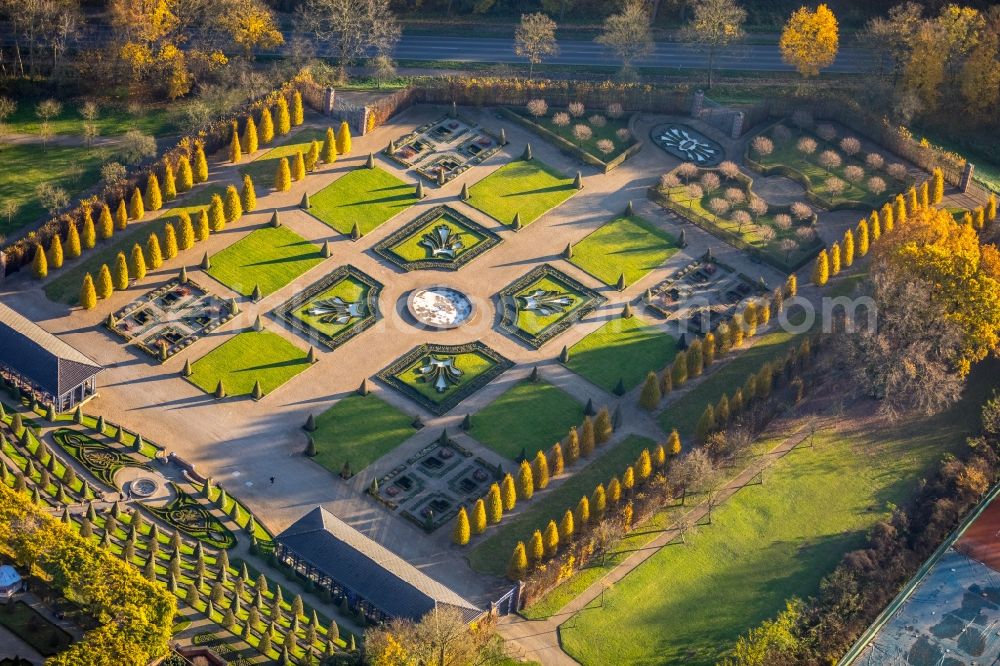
(243, 443)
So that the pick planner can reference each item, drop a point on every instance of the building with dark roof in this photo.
(373, 579)
(42, 365)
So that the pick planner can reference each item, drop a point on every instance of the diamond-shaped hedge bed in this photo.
(543, 303)
(441, 238)
(438, 377)
(334, 309)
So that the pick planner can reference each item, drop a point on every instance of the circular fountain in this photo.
(143, 487)
(440, 307)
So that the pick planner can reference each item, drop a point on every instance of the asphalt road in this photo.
(747, 57)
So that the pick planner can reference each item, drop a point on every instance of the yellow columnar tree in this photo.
(55, 254)
(567, 527)
(136, 209)
(508, 492)
(925, 194)
(185, 239)
(343, 139)
(216, 214)
(203, 227)
(283, 177)
(821, 269)
(312, 156)
(899, 210)
(185, 177)
(835, 258)
(525, 482)
(536, 549)
(299, 167)
(479, 517)
(598, 501)
(862, 237)
(39, 263)
(154, 198)
(494, 504)
(105, 225)
(248, 196)
(518, 566)
(266, 126)
(298, 115)
(200, 163)
(88, 294)
(847, 249)
(912, 202)
(551, 539)
(937, 185)
(235, 151)
(329, 151)
(232, 207)
(284, 121)
(138, 262)
(810, 40)
(460, 535)
(991, 208)
(644, 465)
(541, 470)
(556, 462)
(153, 251)
(250, 136)
(582, 513)
(674, 443)
(88, 234)
(874, 226)
(105, 286)
(169, 241)
(73, 249)
(169, 183)
(120, 275)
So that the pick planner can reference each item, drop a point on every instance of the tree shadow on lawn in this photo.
(382, 200)
(540, 190)
(284, 260)
(271, 366)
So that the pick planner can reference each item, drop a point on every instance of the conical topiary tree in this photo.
(518, 566)
(650, 397)
(465, 192)
(298, 166)
(154, 197)
(136, 207)
(310, 425)
(564, 355)
(220, 390)
(304, 203)
(620, 284)
(88, 294)
(248, 195)
(478, 520)
(283, 176)
(526, 155)
(603, 427)
(461, 532)
(249, 141)
(578, 181)
(355, 231)
(329, 151)
(310, 447)
(185, 177)
(256, 294)
(343, 139)
(516, 222)
(258, 392)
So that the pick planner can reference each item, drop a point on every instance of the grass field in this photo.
(248, 357)
(608, 131)
(23, 168)
(492, 554)
(767, 543)
(110, 121)
(65, 287)
(527, 187)
(629, 245)
(368, 197)
(270, 257)
(623, 349)
(359, 430)
(531, 416)
(264, 168)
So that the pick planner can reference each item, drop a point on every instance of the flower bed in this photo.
(830, 163)
(783, 236)
(102, 461)
(603, 140)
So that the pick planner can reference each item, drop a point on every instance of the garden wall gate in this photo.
(508, 603)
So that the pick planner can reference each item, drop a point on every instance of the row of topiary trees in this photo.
(182, 235)
(703, 352)
(333, 145)
(533, 475)
(841, 254)
(590, 511)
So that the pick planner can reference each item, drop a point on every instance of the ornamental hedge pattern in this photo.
(102, 461)
(509, 308)
(489, 240)
(191, 518)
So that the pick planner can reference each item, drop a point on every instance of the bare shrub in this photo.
(576, 109)
(687, 171)
(800, 211)
(735, 195)
(897, 171)
(758, 207)
(783, 221)
(623, 134)
(669, 181)
(729, 169)
(764, 232)
(582, 133)
(741, 218)
(805, 234)
(762, 146)
(854, 173)
(827, 132)
(874, 161)
(597, 120)
(850, 145)
(694, 191)
(560, 119)
(876, 185)
(806, 145)
(538, 107)
(710, 182)
(615, 110)
(829, 159)
(788, 246)
(606, 146)
(835, 186)
(719, 206)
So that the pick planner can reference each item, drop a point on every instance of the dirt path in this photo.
(539, 639)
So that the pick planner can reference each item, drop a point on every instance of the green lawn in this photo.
(248, 357)
(787, 154)
(349, 289)
(23, 168)
(264, 168)
(629, 245)
(270, 257)
(110, 121)
(527, 187)
(65, 287)
(534, 322)
(359, 430)
(767, 543)
(531, 417)
(608, 131)
(493, 553)
(623, 349)
(367, 197)
(414, 249)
